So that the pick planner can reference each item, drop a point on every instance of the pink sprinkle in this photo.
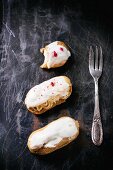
(52, 84)
(60, 84)
(61, 49)
(52, 93)
(41, 95)
(55, 54)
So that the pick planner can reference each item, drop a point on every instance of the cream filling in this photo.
(52, 134)
(39, 94)
(61, 57)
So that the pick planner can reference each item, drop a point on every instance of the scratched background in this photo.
(25, 27)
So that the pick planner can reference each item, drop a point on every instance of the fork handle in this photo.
(97, 131)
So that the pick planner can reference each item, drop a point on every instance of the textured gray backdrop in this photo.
(26, 27)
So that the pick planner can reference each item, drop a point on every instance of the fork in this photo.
(95, 69)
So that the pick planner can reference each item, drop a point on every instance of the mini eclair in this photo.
(53, 136)
(56, 54)
(48, 94)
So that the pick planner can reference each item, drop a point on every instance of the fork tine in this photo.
(91, 58)
(101, 60)
(96, 59)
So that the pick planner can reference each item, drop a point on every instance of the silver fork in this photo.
(95, 69)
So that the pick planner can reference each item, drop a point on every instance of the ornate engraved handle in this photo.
(97, 132)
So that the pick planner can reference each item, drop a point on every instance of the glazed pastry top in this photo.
(52, 134)
(39, 94)
(55, 54)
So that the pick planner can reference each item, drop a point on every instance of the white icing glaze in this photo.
(61, 57)
(64, 127)
(39, 94)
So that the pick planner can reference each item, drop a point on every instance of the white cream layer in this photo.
(64, 127)
(39, 94)
(61, 57)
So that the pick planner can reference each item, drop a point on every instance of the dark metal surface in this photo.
(26, 27)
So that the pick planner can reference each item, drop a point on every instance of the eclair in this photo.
(53, 136)
(56, 54)
(48, 94)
